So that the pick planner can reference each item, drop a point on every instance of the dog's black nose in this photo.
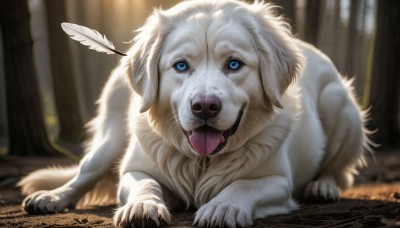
(205, 107)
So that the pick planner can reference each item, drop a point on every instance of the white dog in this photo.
(226, 112)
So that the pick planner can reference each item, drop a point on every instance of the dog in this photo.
(216, 106)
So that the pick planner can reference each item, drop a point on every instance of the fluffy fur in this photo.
(301, 133)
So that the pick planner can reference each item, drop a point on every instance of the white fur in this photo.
(301, 132)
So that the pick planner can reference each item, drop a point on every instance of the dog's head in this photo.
(209, 70)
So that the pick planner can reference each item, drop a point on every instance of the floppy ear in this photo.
(280, 60)
(143, 58)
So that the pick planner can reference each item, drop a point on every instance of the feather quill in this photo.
(90, 37)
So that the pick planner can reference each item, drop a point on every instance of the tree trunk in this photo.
(66, 96)
(26, 128)
(352, 37)
(386, 81)
(311, 25)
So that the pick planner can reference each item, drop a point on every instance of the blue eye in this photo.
(234, 64)
(181, 66)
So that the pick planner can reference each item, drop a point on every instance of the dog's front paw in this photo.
(146, 213)
(223, 214)
(43, 202)
(323, 190)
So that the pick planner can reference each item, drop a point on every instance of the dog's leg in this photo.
(343, 125)
(95, 165)
(244, 200)
(107, 146)
(142, 202)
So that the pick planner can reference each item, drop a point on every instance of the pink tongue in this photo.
(205, 140)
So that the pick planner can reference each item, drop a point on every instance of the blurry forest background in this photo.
(49, 83)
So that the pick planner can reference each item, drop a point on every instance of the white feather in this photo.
(90, 37)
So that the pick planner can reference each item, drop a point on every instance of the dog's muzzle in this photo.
(207, 140)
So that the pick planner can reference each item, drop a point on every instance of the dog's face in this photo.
(211, 73)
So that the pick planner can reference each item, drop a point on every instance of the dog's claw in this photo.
(47, 202)
(323, 190)
(223, 214)
(142, 214)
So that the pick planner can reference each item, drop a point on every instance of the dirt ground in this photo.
(373, 202)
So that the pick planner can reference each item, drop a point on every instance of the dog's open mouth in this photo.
(207, 140)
